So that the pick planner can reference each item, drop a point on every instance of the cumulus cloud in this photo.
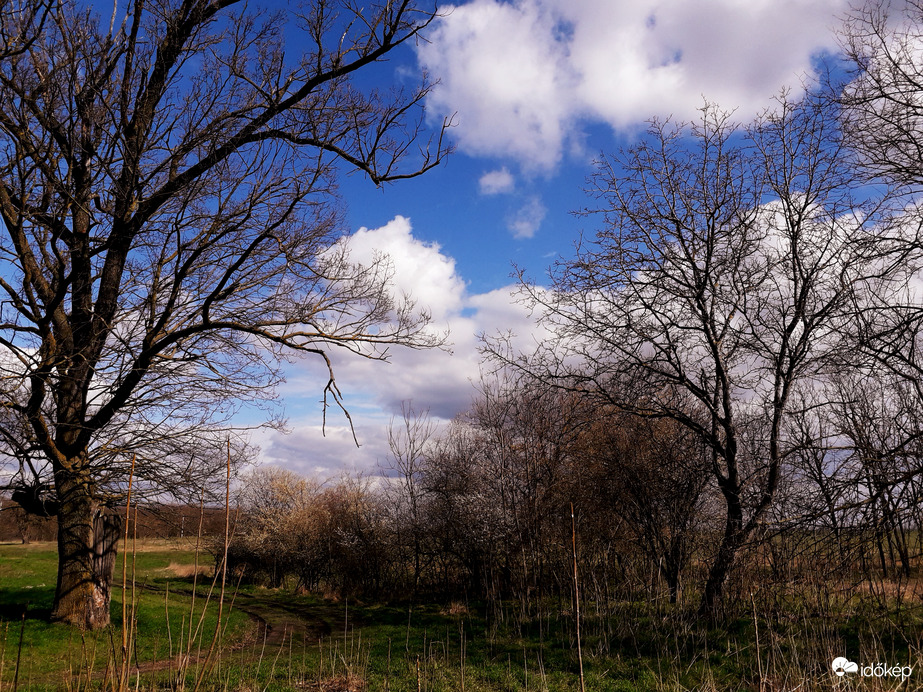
(420, 270)
(522, 76)
(438, 380)
(495, 59)
(496, 182)
(525, 223)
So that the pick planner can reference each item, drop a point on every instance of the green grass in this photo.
(53, 653)
(650, 648)
(319, 644)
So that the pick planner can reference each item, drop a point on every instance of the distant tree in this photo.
(462, 517)
(529, 464)
(171, 231)
(879, 420)
(281, 528)
(883, 112)
(408, 441)
(883, 121)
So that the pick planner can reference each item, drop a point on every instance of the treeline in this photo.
(481, 510)
(154, 521)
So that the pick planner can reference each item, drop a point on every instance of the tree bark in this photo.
(87, 543)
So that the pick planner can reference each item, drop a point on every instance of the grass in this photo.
(54, 654)
(310, 643)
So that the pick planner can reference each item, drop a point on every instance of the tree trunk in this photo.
(22, 522)
(670, 570)
(87, 542)
(734, 538)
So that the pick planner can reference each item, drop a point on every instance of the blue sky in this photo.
(538, 88)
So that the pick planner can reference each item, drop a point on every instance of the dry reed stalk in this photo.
(89, 660)
(123, 671)
(461, 654)
(240, 579)
(22, 631)
(224, 572)
(132, 623)
(290, 644)
(756, 629)
(6, 632)
(272, 668)
(573, 528)
(166, 607)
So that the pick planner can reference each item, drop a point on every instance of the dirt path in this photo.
(309, 623)
(277, 630)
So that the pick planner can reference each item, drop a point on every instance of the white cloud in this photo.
(528, 218)
(522, 76)
(504, 73)
(496, 182)
(421, 271)
(439, 380)
(320, 453)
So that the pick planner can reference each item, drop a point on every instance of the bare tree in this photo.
(717, 291)
(167, 192)
(883, 121)
(408, 442)
(878, 418)
(282, 528)
(654, 474)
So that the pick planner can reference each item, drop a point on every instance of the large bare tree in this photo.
(171, 228)
(718, 291)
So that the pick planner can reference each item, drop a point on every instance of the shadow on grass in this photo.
(36, 602)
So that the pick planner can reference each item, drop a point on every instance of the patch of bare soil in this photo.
(280, 621)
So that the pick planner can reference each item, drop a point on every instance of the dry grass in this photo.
(893, 590)
(184, 570)
(340, 683)
(160, 545)
(142, 545)
(455, 608)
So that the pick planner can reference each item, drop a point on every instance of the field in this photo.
(279, 640)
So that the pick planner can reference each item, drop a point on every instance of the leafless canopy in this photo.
(167, 185)
(883, 116)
